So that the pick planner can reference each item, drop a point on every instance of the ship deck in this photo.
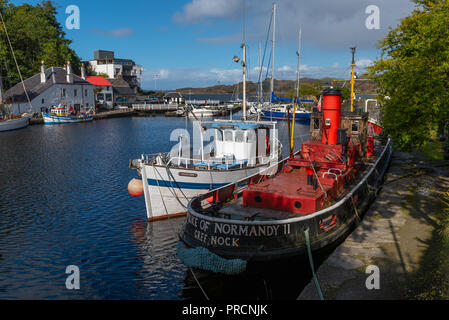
(235, 209)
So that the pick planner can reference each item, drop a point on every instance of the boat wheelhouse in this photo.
(240, 149)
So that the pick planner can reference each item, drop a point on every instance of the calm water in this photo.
(64, 201)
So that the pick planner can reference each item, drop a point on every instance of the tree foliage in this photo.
(307, 89)
(413, 74)
(35, 35)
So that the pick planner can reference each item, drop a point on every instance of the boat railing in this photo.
(210, 164)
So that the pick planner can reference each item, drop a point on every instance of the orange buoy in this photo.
(135, 187)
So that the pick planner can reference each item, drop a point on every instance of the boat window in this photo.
(228, 136)
(239, 136)
(316, 124)
(219, 135)
(355, 126)
(251, 136)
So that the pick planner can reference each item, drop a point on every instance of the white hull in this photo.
(204, 113)
(163, 198)
(14, 124)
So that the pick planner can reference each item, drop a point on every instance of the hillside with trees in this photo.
(284, 88)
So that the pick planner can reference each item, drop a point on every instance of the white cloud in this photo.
(117, 33)
(198, 10)
(325, 23)
(363, 63)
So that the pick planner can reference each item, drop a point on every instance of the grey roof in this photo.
(34, 87)
(119, 82)
(123, 91)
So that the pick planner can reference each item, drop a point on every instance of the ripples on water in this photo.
(64, 201)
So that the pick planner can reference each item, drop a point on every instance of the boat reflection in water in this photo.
(157, 249)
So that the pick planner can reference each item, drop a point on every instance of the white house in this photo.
(51, 87)
(174, 98)
(104, 93)
(105, 62)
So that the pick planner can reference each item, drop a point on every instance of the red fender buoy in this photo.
(135, 188)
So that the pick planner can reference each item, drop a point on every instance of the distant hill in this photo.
(282, 87)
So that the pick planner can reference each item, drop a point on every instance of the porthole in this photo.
(298, 205)
(258, 199)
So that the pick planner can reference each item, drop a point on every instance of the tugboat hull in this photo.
(265, 240)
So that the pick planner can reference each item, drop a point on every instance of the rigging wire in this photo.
(15, 60)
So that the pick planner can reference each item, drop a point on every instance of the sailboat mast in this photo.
(244, 81)
(273, 48)
(259, 85)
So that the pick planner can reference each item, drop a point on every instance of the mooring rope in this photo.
(312, 266)
(199, 284)
(174, 230)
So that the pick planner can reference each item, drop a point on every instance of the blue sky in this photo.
(191, 43)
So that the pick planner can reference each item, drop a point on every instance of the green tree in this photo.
(35, 35)
(413, 74)
(307, 89)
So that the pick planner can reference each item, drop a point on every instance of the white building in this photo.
(105, 62)
(104, 92)
(174, 98)
(51, 87)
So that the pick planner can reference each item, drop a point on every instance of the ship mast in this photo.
(297, 100)
(273, 48)
(298, 53)
(244, 80)
(352, 78)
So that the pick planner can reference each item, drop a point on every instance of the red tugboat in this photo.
(319, 194)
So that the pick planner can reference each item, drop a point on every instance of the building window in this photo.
(75, 92)
(43, 101)
(85, 93)
(63, 92)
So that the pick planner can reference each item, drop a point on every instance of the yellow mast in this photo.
(298, 54)
(353, 79)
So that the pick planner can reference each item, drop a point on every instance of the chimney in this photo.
(43, 77)
(69, 73)
(83, 71)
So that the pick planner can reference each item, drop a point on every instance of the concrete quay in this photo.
(396, 235)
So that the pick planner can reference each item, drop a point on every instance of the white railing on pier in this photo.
(155, 107)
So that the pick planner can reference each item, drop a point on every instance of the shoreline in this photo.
(399, 235)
